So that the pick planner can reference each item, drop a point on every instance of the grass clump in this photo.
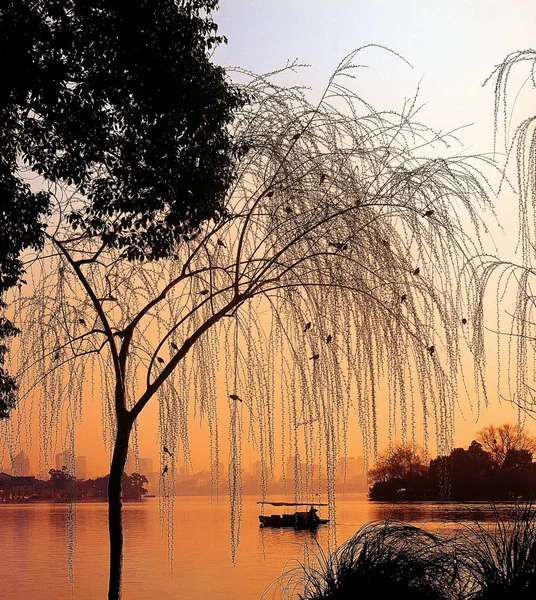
(384, 559)
(387, 559)
(502, 560)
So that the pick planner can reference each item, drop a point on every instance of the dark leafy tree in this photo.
(399, 473)
(397, 463)
(499, 440)
(517, 476)
(120, 104)
(62, 482)
(463, 474)
(100, 486)
(21, 214)
(8, 385)
(133, 486)
(517, 459)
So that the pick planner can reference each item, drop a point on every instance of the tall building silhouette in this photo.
(80, 467)
(21, 464)
(351, 467)
(65, 459)
(146, 466)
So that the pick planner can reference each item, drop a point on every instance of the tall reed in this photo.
(387, 559)
(502, 559)
(384, 559)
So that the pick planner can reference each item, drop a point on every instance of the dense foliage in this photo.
(124, 106)
(463, 475)
(501, 440)
(8, 385)
(400, 462)
(62, 485)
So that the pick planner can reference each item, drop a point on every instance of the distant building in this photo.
(65, 459)
(21, 465)
(80, 467)
(146, 466)
(295, 467)
(351, 467)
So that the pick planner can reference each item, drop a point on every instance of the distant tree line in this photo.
(497, 466)
(64, 486)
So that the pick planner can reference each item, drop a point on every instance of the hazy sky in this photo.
(453, 46)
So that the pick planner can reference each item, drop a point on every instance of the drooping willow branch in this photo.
(511, 280)
(328, 284)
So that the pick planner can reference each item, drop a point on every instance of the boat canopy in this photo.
(292, 503)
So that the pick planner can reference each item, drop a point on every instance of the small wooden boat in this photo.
(299, 519)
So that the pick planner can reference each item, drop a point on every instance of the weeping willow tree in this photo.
(330, 273)
(512, 281)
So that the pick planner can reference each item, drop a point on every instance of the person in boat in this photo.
(312, 516)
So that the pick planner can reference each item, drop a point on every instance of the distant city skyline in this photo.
(349, 467)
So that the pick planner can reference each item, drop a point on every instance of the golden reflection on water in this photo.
(34, 540)
(422, 512)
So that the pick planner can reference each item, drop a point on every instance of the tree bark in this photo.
(115, 524)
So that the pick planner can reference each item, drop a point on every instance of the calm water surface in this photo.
(34, 543)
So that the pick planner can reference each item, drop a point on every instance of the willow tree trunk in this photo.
(115, 525)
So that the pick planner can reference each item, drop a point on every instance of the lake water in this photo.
(34, 543)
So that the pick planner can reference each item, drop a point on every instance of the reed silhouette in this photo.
(392, 559)
(502, 560)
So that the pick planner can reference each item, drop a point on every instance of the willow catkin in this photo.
(330, 228)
